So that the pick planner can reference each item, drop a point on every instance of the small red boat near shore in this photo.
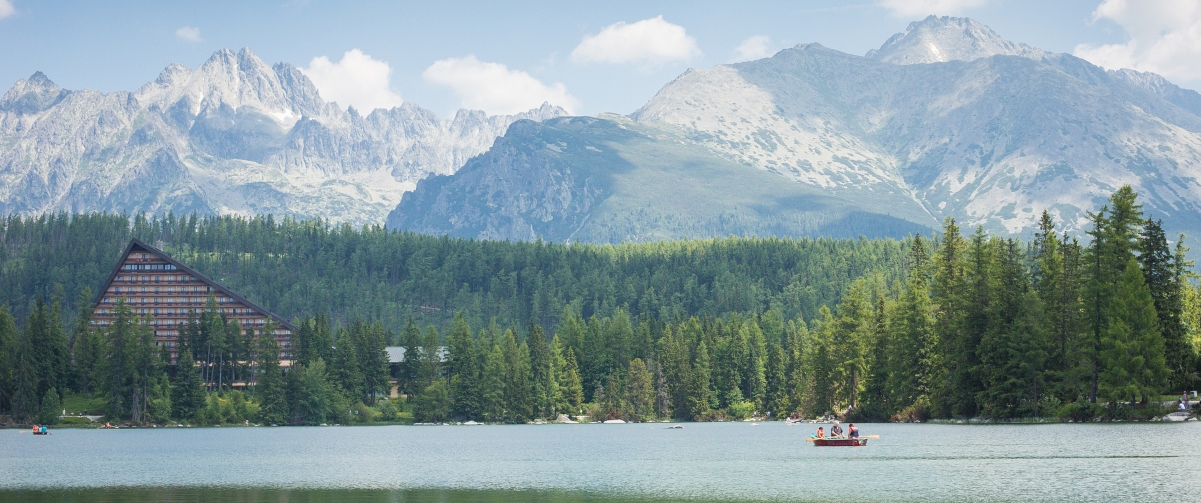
(834, 442)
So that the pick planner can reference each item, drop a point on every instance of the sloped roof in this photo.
(136, 243)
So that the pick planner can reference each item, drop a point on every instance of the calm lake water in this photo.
(603, 463)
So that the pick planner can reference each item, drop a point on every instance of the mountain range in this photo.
(232, 136)
(944, 119)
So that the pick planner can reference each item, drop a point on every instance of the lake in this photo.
(604, 463)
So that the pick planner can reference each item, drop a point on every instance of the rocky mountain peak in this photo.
(32, 95)
(940, 39)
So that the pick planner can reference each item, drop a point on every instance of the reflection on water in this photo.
(255, 495)
(603, 463)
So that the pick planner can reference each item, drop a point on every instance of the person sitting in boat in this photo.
(43, 429)
(821, 433)
(35, 429)
(852, 431)
(835, 431)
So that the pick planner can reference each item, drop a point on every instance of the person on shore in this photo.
(821, 433)
(835, 431)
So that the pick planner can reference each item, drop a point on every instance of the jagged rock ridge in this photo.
(992, 133)
(232, 136)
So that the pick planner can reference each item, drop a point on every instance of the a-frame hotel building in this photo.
(158, 287)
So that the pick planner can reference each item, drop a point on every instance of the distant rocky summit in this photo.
(232, 136)
(945, 119)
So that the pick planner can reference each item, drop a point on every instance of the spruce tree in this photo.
(541, 372)
(1161, 275)
(640, 391)
(699, 395)
(269, 389)
(1132, 348)
(947, 289)
(8, 355)
(461, 365)
(569, 383)
(775, 374)
(492, 387)
(188, 388)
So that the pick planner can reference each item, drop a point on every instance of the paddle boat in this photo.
(839, 441)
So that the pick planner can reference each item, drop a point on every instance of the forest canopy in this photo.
(953, 325)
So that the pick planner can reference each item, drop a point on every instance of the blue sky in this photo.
(590, 56)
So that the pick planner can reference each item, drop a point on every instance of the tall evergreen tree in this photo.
(1132, 349)
(948, 286)
(270, 387)
(1157, 262)
(461, 365)
(640, 391)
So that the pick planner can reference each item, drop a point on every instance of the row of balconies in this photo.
(159, 300)
(154, 279)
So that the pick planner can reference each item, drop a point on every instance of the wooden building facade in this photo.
(166, 293)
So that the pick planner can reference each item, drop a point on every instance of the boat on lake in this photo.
(837, 442)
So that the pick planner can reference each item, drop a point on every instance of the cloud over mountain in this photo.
(494, 88)
(1164, 36)
(357, 81)
(912, 8)
(650, 42)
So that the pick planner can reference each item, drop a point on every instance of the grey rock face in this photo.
(941, 39)
(993, 133)
(232, 136)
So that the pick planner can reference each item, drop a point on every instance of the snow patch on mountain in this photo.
(233, 136)
(941, 39)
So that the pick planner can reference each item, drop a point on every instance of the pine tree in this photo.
(269, 389)
(950, 315)
(775, 374)
(410, 341)
(914, 339)
(1161, 276)
(188, 388)
(541, 373)
(1132, 349)
(519, 386)
(492, 387)
(1012, 351)
(573, 390)
(677, 370)
(699, 395)
(640, 391)
(8, 355)
(462, 368)
(49, 411)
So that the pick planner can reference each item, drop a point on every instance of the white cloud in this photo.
(494, 88)
(6, 9)
(756, 47)
(189, 33)
(1163, 36)
(910, 8)
(357, 81)
(650, 41)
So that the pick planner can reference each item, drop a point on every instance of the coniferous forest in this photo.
(959, 324)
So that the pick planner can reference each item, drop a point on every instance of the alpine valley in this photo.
(944, 119)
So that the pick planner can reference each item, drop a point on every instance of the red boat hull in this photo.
(834, 442)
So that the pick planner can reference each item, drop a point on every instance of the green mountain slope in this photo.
(609, 179)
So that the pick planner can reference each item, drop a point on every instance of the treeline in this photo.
(216, 372)
(964, 326)
(979, 326)
(300, 268)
